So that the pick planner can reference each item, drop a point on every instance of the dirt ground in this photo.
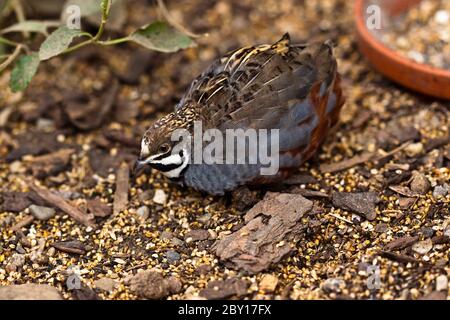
(379, 188)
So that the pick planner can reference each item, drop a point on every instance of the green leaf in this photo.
(162, 37)
(58, 41)
(24, 71)
(31, 26)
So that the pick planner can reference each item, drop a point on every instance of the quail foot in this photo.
(282, 99)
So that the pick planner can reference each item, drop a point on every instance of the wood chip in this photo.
(270, 225)
(406, 203)
(346, 164)
(401, 243)
(404, 191)
(22, 223)
(122, 184)
(362, 203)
(308, 193)
(51, 164)
(440, 239)
(59, 202)
(98, 208)
(14, 201)
(437, 143)
(398, 257)
(75, 247)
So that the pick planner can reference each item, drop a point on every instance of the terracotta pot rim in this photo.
(382, 49)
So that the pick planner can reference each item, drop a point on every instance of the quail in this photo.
(291, 88)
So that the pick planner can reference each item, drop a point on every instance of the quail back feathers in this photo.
(293, 88)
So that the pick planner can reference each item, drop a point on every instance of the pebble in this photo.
(414, 149)
(441, 191)
(51, 252)
(427, 232)
(177, 242)
(333, 285)
(172, 256)
(146, 195)
(105, 284)
(42, 213)
(381, 227)
(17, 167)
(420, 184)
(423, 247)
(203, 269)
(20, 249)
(447, 231)
(268, 283)
(442, 17)
(143, 212)
(197, 235)
(441, 283)
(160, 197)
(15, 262)
(45, 124)
(151, 284)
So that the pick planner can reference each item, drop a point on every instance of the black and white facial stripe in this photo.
(170, 164)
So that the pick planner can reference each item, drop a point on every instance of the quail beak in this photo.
(138, 167)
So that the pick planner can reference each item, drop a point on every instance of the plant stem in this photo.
(20, 14)
(11, 58)
(9, 42)
(105, 15)
(113, 41)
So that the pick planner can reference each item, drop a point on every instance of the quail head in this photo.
(291, 92)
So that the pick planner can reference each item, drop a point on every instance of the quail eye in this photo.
(164, 148)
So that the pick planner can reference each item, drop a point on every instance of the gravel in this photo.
(42, 213)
